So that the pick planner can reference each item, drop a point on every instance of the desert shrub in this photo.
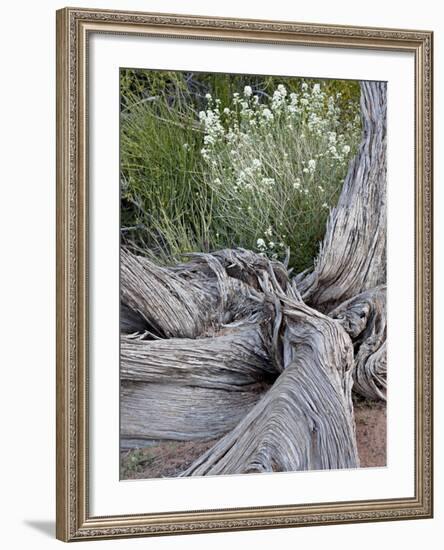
(206, 167)
(275, 168)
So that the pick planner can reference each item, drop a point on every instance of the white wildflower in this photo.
(248, 91)
(271, 244)
(267, 114)
(227, 111)
(261, 244)
(277, 96)
(346, 149)
(316, 88)
(282, 90)
(325, 205)
(269, 231)
(312, 165)
(208, 96)
(256, 163)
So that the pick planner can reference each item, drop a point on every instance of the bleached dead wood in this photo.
(287, 334)
(305, 421)
(352, 257)
(365, 320)
(230, 361)
(170, 411)
(170, 306)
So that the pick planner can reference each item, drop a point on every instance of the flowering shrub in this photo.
(259, 168)
(275, 166)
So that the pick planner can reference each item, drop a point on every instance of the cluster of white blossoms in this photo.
(273, 242)
(287, 147)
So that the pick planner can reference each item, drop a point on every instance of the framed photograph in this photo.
(244, 274)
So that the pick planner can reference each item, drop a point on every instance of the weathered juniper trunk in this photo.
(226, 345)
(352, 257)
(305, 421)
(230, 361)
(182, 388)
(364, 317)
(173, 411)
(187, 389)
(169, 305)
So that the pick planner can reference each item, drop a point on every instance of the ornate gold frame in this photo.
(73, 519)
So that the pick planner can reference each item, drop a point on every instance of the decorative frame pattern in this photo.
(73, 519)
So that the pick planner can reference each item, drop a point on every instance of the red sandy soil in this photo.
(166, 459)
(371, 433)
(169, 458)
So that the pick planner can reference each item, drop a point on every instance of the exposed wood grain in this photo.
(173, 411)
(364, 317)
(305, 421)
(233, 359)
(352, 256)
(172, 306)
